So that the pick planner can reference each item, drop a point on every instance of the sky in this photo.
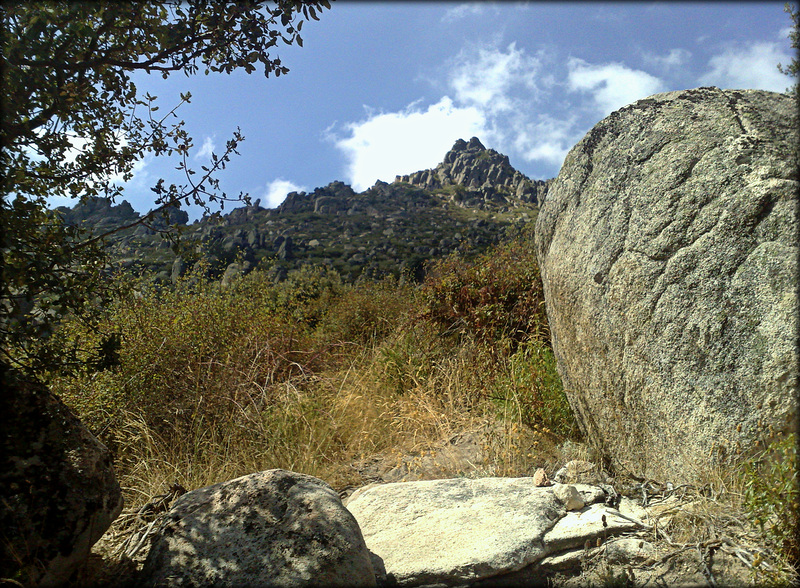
(382, 88)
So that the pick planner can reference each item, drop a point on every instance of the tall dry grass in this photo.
(311, 375)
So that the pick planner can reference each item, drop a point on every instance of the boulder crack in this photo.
(735, 111)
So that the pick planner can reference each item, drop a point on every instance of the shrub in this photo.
(366, 312)
(497, 298)
(529, 389)
(772, 499)
(310, 374)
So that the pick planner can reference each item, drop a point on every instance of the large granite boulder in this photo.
(462, 531)
(58, 490)
(272, 528)
(668, 248)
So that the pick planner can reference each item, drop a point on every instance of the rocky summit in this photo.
(466, 204)
(483, 174)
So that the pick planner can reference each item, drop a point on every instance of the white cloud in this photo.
(463, 11)
(504, 85)
(547, 139)
(391, 143)
(493, 79)
(80, 144)
(752, 67)
(206, 149)
(673, 59)
(613, 85)
(497, 95)
(276, 191)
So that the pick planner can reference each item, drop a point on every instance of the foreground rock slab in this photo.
(58, 489)
(272, 528)
(668, 249)
(456, 531)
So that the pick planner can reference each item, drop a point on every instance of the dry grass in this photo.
(312, 376)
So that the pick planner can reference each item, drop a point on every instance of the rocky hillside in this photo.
(484, 176)
(467, 203)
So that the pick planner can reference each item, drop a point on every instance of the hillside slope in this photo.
(467, 203)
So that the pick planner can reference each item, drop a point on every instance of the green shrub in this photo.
(497, 298)
(772, 499)
(310, 373)
(366, 312)
(529, 389)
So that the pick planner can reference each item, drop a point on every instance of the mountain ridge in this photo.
(470, 201)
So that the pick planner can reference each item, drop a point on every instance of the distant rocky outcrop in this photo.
(668, 248)
(335, 199)
(58, 490)
(272, 528)
(483, 174)
(99, 213)
(387, 230)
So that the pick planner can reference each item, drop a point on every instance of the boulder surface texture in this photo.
(668, 249)
(459, 531)
(58, 489)
(272, 528)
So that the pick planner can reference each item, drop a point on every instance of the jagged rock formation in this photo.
(101, 214)
(59, 492)
(668, 247)
(272, 528)
(389, 229)
(484, 174)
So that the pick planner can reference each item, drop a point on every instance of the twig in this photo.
(147, 532)
(705, 561)
(632, 520)
(668, 556)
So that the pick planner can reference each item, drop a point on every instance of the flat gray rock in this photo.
(461, 530)
(272, 528)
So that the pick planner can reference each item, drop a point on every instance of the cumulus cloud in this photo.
(79, 144)
(493, 92)
(277, 189)
(751, 67)
(391, 143)
(612, 85)
(673, 59)
(546, 138)
(206, 149)
(493, 80)
(461, 11)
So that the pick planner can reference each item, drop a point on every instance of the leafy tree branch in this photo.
(73, 121)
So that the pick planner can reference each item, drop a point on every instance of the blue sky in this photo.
(381, 89)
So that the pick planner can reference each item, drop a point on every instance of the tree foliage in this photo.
(73, 123)
(793, 69)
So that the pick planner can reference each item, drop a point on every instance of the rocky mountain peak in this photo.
(481, 173)
(473, 145)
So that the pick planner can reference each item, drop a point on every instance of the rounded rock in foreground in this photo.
(272, 528)
(58, 489)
